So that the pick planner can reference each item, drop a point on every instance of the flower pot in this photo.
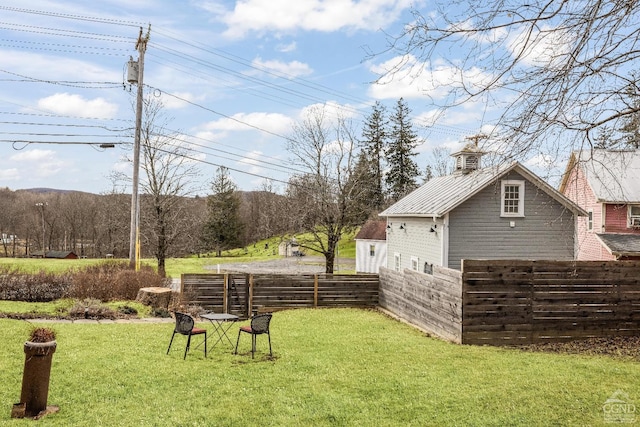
(35, 378)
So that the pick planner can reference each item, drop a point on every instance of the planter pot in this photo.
(35, 378)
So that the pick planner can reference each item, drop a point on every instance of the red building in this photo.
(606, 184)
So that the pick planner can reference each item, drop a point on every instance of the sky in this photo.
(232, 77)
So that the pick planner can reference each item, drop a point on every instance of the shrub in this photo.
(16, 285)
(42, 334)
(92, 309)
(160, 312)
(112, 280)
(107, 281)
(127, 310)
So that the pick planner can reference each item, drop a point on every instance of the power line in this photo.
(74, 17)
(30, 141)
(65, 33)
(238, 157)
(63, 82)
(64, 125)
(58, 116)
(291, 78)
(57, 45)
(218, 113)
(220, 165)
(287, 88)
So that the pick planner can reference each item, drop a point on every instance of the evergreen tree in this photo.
(631, 128)
(374, 142)
(361, 187)
(403, 169)
(223, 229)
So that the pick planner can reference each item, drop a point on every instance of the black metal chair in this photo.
(259, 325)
(185, 325)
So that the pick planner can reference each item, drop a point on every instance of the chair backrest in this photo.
(184, 323)
(260, 323)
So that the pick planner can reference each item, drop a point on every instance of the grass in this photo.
(261, 251)
(61, 307)
(331, 367)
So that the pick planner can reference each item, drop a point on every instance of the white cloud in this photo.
(122, 166)
(272, 122)
(51, 68)
(288, 70)
(541, 161)
(75, 105)
(286, 48)
(331, 109)
(251, 162)
(9, 174)
(309, 15)
(41, 163)
(180, 100)
(405, 76)
(543, 48)
(35, 155)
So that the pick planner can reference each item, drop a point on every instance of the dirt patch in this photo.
(291, 265)
(627, 348)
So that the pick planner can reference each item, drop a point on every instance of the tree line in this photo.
(97, 225)
(342, 179)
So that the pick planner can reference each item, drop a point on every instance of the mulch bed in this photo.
(627, 348)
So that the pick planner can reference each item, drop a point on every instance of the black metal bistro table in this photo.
(218, 321)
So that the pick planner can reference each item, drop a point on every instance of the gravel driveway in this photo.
(291, 265)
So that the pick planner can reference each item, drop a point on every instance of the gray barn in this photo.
(501, 212)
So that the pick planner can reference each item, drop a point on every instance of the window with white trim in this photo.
(396, 261)
(590, 220)
(372, 250)
(512, 198)
(634, 216)
(414, 263)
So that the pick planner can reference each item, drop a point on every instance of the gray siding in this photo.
(477, 231)
(414, 241)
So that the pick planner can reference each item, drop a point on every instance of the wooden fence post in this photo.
(250, 305)
(315, 291)
(225, 294)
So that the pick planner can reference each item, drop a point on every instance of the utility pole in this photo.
(134, 236)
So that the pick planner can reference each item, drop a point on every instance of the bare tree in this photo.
(323, 198)
(560, 70)
(166, 179)
(114, 208)
(438, 164)
(78, 212)
(265, 213)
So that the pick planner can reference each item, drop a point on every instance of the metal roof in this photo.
(443, 194)
(614, 176)
(373, 230)
(621, 244)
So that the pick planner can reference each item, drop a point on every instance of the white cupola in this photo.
(468, 159)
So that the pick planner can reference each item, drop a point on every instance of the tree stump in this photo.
(155, 297)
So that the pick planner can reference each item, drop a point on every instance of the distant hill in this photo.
(48, 190)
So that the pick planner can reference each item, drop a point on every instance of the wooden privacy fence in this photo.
(512, 302)
(521, 302)
(432, 302)
(245, 294)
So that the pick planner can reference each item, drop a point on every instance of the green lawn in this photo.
(177, 266)
(174, 266)
(331, 367)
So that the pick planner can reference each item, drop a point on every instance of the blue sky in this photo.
(233, 77)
